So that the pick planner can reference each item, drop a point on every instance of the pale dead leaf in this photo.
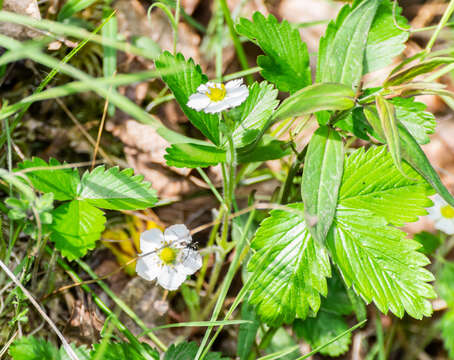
(22, 7)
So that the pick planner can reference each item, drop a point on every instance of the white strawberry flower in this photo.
(216, 97)
(167, 257)
(442, 214)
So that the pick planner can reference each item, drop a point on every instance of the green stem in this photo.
(215, 274)
(242, 73)
(267, 337)
(219, 31)
(175, 31)
(210, 184)
(236, 41)
(380, 337)
(446, 16)
(210, 243)
(203, 350)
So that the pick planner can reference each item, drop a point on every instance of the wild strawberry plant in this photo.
(328, 243)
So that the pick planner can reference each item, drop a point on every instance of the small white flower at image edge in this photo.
(167, 257)
(442, 214)
(216, 97)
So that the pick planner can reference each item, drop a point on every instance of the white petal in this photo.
(203, 88)
(190, 261)
(216, 107)
(198, 101)
(233, 84)
(147, 269)
(171, 279)
(445, 225)
(177, 234)
(151, 240)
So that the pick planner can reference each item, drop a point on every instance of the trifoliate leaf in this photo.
(323, 328)
(447, 331)
(286, 60)
(385, 40)
(380, 263)
(371, 181)
(30, 348)
(413, 116)
(61, 182)
(253, 115)
(123, 351)
(194, 155)
(116, 190)
(183, 78)
(291, 268)
(188, 351)
(342, 50)
(76, 227)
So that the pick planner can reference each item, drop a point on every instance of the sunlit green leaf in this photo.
(286, 60)
(321, 180)
(76, 227)
(294, 274)
(194, 155)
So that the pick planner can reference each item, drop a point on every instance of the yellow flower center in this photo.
(447, 211)
(168, 255)
(215, 94)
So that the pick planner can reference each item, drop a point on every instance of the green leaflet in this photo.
(183, 84)
(414, 155)
(380, 263)
(385, 40)
(252, 116)
(267, 149)
(194, 155)
(286, 60)
(342, 50)
(321, 180)
(247, 332)
(413, 116)
(116, 190)
(327, 96)
(76, 227)
(294, 273)
(30, 348)
(388, 129)
(423, 67)
(62, 183)
(123, 351)
(371, 181)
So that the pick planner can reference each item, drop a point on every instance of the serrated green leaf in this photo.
(321, 329)
(388, 129)
(62, 183)
(423, 67)
(338, 301)
(385, 40)
(76, 227)
(122, 351)
(194, 155)
(413, 116)
(73, 6)
(286, 60)
(183, 84)
(342, 50)
(188, 351)
(371, 181)
(413, 154)
(380, 263)
(247, 332)
(317, 97)
(321, 180)
(447, 331)
(30, 348)
(294, 273)
(116, 190)
(252, 116)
